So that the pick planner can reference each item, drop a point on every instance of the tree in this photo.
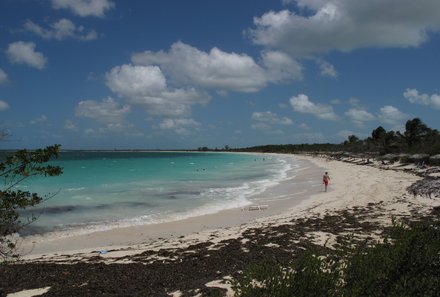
(14, 169)
(378, 133)
(353, 139)
(415, 131)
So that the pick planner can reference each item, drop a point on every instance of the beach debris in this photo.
(30, 293)
(223, 284)
(434, 160)
(103, 252)
(256, 207)
(429, 186)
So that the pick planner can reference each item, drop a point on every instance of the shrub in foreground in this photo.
(406, 264)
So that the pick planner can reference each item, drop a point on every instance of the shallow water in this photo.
(105, 190)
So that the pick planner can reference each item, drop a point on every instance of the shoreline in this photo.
(286, 193)
(346, 180)
(362, 201)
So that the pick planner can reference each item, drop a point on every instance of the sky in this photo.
(172, 74)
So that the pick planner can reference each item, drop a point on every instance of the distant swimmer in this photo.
(325, 180)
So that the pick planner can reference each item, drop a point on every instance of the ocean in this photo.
(105, 190)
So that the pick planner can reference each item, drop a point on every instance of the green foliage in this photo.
(417, 138)
(408, 264)
(15, 168)
(308, 275)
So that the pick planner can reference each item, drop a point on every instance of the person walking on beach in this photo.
(325, 180)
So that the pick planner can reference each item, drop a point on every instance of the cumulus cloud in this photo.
(3, 77)
(302, 104)
(219, 70)
(281, 67)
(69, 125)
(304, 126)
(354, 102)
(39, 121)
(84, 8)
(271, 118)
(345, 25)
(392, 115)
(109, 113)
(181, 126)
(327, 69)
(359, 116)
(3, 105)
(264, 121)
(61, 30)
(106, 111)
(216, 69)
(424, 99)
(147, 87)
(21, 52)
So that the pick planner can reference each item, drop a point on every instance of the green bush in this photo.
(15, 167)
(307, 274)
(407, 264)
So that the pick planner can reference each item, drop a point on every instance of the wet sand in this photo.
(277, 200)
(198, 257)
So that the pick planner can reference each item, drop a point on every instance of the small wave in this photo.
(75, 189)
(220, 195)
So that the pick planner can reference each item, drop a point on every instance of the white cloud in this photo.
(221, 71)
(181, 126)
(21, 52)
(392, 115)
(271, 118)
(3, 105)
(301, 103)
(264, 121)
(109, 113)
(216, 69)
(60, 30)
(69, 125)
(304, 126)
(84, 8)
(3, 77)
(146, 86)
(106, 111)
(344, 25)
(359, 116)
(414, 97)
(89, 131)
(281, 67)
(327, 69)
(39, 121)
(354, 102)
(120, 127)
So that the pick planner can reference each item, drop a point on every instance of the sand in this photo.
(276, 200)
(361, 199)
(351, 185)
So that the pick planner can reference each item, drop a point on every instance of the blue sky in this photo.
(169, 74)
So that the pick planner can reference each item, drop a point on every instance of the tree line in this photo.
(417, 138)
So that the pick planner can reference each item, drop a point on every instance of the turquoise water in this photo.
(104, 190)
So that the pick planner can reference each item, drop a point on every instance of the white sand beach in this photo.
(350, 186)
(369, 196)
